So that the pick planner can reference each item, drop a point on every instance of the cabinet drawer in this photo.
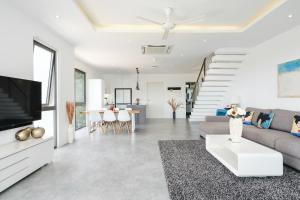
(14, 178)
(12, 159)
(13, 169)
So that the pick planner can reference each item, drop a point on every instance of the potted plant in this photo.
(236, 115)
(174, 105)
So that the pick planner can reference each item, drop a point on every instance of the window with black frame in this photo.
(44, 71)
(80, 99)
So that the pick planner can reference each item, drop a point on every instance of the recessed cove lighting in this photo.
(290, 16)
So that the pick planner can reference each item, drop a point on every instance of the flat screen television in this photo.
(20, 102)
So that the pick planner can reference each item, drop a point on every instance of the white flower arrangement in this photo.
(236, 112)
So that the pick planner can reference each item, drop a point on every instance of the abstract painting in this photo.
(289, 79)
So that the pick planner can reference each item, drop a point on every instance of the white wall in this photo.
(256, 82)
(16, 38)
(169, 80)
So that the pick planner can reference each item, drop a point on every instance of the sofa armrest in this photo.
(217, 119)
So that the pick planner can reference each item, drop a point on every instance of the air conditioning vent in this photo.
(156, 49)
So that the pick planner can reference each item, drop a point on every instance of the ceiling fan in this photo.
(169, 23)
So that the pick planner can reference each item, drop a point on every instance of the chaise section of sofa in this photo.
(277, 137)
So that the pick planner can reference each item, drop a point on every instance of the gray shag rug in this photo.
(192, 173)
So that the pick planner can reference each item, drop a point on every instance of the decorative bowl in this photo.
(38, 132)
(23, 134)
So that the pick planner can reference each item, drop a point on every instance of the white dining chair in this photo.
(124, 120)
(128, 109)
(109, 119)
(95, 120)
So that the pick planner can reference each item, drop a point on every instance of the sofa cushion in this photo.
(264, 120)
(248, 118)
(256, 113)
(283, 119)
(289, 144)
(214, 128)
(296, 126)
(265, 137)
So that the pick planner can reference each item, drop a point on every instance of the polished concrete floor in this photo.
(106, 166)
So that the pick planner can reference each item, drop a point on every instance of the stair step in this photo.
(203, 101)
(206, 106)
(212, 99)
(231, 51)
(221, 71)
(214, 89)
(228, 58)
(216, 83)
(214, 93)
(203, 113)
(224, 65)
(216, 77)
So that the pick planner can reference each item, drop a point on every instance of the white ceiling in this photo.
(81, 24)
(217, 12)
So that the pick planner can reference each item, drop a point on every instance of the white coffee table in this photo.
(246, 158)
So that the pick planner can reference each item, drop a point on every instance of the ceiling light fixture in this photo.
(290, 16)
(57, 16)
(154, 66)
(204, 40)
(137, 79)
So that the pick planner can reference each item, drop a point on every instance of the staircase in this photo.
(214, 81)
(9, 109)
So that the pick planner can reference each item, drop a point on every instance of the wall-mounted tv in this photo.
(20, 102)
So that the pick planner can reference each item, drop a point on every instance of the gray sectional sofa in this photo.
(277, 137)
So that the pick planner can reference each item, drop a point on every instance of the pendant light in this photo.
(137, 79)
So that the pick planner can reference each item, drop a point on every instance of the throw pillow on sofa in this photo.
(248, 118)
(296, 126)
(264, 120)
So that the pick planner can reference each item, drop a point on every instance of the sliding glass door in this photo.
(80, 99)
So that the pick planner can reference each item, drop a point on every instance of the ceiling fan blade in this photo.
(149, 20)
(192, 20)
(166, 34)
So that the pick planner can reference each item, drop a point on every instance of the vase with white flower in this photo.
(236, 115)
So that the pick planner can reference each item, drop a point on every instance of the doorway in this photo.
(155, 99)
(80, 99)
(189, 88)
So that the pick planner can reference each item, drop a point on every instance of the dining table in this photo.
(101, 112)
